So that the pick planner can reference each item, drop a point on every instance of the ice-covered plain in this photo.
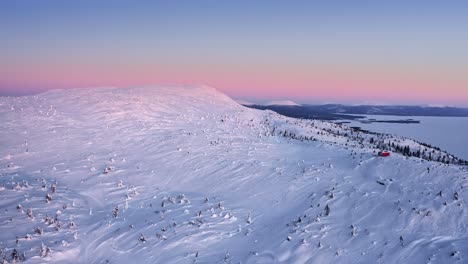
(448, 133)
(187, 175)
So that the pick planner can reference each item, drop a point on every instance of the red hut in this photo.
(384, 154)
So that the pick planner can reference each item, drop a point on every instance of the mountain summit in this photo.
(184, 174)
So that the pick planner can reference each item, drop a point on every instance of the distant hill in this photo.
(284, 102)
(338, 111)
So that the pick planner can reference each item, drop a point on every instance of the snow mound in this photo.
(170, 174)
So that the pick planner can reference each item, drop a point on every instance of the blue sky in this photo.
(310, 50)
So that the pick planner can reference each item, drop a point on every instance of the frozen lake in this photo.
(448, 133)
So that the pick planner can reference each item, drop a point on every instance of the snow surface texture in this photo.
(186, 175)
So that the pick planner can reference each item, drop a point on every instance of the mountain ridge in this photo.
(339, 111)
(188, 175)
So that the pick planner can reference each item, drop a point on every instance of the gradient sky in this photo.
(413, 52)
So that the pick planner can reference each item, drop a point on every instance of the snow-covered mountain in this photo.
(283, 102)
(187, 175)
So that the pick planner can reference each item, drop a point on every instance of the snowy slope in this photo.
(196, 177)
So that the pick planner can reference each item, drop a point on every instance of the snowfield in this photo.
(187, 175)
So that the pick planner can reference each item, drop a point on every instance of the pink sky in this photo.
(399, 51)
(262, 82)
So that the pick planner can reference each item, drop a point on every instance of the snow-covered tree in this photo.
(142, 238)
(116, 211)
(45, 251)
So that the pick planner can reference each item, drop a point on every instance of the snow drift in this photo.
(185, 174)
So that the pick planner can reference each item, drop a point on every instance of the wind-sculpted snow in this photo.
(186, 175)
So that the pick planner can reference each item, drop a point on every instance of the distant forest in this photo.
(338, 111)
